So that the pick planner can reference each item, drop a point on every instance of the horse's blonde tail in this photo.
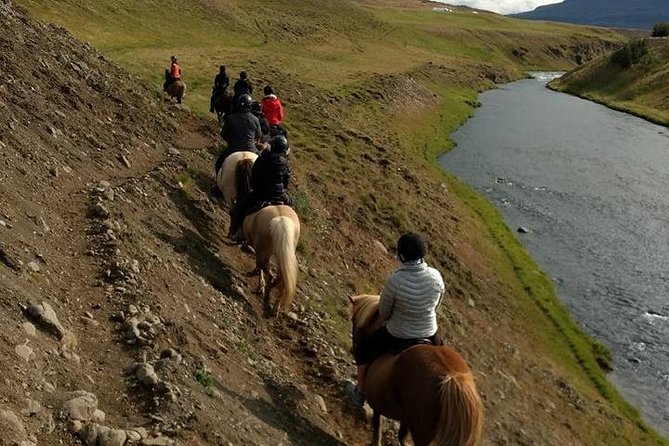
(461, 414)
(282, 230)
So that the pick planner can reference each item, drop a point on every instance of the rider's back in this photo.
(241, 130)
(270, 177)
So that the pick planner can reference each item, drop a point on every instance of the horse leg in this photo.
(403, 434)
(377, 425)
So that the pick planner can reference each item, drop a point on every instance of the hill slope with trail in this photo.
(107, 219)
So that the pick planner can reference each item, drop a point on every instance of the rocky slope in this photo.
(127, 318)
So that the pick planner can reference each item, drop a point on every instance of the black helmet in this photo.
(255, 107)
(243, 75)
(222, 68)
(244, 102)
(268, 90)
(411, 246)
(280, 144)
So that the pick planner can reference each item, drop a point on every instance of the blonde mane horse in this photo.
(430, 390)
(234, 177)
(274, 231)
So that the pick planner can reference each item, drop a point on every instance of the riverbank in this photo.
(367, 118)
(641, 89)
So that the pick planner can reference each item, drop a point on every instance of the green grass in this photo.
(204, 378)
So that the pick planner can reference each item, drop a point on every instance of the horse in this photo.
(223, 105)
(175, 88)
(234, 176)
(274, 231)
(429, 389)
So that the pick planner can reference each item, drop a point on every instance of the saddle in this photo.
(263, 204)
(406, 344)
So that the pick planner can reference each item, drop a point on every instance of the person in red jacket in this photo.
(273, 111)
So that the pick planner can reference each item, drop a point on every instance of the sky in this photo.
(502, 6)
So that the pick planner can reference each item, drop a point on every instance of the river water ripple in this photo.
(592, 185)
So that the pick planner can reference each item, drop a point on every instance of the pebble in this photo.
(98, 416)
(11, 427)
(24, 352)
(380, 247)
(146, 375)
(29, 329)
(111, 437)
(79, 405)
(34, 266)
(320, 401)
(523, 230)
(98, 210)
(32, 407)
(47, 318)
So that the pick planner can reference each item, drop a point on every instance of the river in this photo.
(592, 186)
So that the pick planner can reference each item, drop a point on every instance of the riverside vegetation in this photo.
(111, 222)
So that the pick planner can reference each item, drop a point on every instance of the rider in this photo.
(264, 124)
(242, 86)
(273, 109)
(174, 73)
(221, 84)
(241, 130)
(408, 304)
(269, 180)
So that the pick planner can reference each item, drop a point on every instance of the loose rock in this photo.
(24, 352)
(11, 427)
(79, 405)
(46, 317)
(146, 375)
(320, 401)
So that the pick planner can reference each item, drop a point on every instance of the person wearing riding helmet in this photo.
(264, 124)
(269, 179)
(273, 110)
(173, 74)
(221, 84)
(241, 130)
(408, 304)
(242, 86)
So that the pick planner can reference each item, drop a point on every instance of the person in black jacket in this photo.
(241, 130)
(242, 86)
(269, 180)
(221, 84)
(264, 123)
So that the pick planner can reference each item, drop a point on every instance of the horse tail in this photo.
(243, 177)
(282, 231)
(461, 414)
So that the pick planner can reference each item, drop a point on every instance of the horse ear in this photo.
(351, 299)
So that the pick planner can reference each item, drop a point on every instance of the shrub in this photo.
(630, 54)
(661, 29)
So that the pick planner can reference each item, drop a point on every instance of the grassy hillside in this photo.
(372, 91)
(641, 89)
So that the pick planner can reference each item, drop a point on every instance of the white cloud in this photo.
(502, 6)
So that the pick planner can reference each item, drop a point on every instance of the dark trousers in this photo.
(381, 342)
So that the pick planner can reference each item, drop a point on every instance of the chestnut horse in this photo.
(274, 231)
(430, 390)
(176, 88)
(234, 176)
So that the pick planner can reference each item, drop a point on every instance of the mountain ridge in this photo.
(643, 14)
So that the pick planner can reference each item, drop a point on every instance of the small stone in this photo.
(88, 321)
(172, 354)
(75, 426)
(11, 427)
(24, 352)
(173, 151)
(111, 437)
(32, 407)
(132, 436)
(146, 375)
(47, 318)
(80, 405)
(125, 161)
(54, 171)
(471, 302)
(102, 184)
(98, 210)
(320, 401)
(29, 329)
(380, 247)
(98, 416)
(523, 230)
(132, 310)
(293, 316)
(3, 224)
(34, 266)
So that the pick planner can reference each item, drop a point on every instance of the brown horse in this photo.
(223, 106)
(175, 88)
(429, 389)
(274, 231)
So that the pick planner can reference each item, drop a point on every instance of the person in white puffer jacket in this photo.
(408, 303)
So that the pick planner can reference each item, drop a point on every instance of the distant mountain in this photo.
(641, 14)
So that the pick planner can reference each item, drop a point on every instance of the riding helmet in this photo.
(268, 90)
(280, 144)
(243, 75)
(255, 107)
(411, 246)
(173, 58)
(244, 102)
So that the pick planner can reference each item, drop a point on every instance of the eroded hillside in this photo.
(118, 283)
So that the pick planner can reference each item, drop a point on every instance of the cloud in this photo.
(502, 6)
